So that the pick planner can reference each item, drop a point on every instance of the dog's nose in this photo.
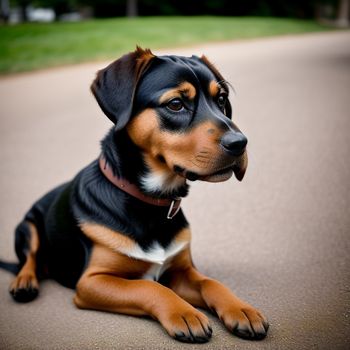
(234, 143)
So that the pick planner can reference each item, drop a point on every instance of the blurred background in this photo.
(279, 239)
(44, 33)
(49, 10)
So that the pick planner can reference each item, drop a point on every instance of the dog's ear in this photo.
(114, 86)
(220, 78)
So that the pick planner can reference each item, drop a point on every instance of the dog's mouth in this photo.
(237, 167)
(217, 176)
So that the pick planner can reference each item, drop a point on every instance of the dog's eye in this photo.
(175, 105)
(222, 100)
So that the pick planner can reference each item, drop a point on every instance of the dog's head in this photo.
(176, 110)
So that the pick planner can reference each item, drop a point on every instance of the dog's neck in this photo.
(127, 161)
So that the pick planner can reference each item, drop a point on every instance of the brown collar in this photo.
(133, 190)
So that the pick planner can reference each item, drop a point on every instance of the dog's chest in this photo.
(159, 257)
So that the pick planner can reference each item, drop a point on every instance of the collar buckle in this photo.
(174, 208)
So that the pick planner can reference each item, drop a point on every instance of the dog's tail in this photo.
(11, 267)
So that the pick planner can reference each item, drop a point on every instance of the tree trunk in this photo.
(131, 8)
(23, 4)
(343, 13)
(4, 10)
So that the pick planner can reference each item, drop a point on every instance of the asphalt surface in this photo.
(280, 239)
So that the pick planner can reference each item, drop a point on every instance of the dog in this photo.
(116, 233)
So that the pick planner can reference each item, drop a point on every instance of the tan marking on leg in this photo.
(104, 286)
(27, 278)
(238, 316)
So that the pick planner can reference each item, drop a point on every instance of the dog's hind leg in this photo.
(25, 286)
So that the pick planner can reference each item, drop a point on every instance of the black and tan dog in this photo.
(116, 232)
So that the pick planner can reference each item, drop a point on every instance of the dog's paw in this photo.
(189, 326)
(24, 288)
(245, 322)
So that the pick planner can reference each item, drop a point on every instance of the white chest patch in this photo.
(159, 256)
(155, 272)
(161, 181)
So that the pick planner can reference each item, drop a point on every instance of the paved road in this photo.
(280, 239)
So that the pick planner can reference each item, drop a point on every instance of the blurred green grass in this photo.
(26, 47)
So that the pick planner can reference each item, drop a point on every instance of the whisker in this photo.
(228, 84)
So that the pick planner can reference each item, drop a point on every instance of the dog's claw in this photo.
(24, 288)
(24, 295)
(246, 323)
(188, 327)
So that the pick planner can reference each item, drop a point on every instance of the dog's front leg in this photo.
(141, 297)
(238, 316)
